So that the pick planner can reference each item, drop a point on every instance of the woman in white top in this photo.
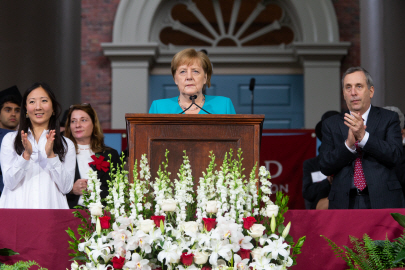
(38, 163)
(84, 129)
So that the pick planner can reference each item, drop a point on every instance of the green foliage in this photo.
(281, 201)
(7, 252)
(83, 231)
(296, 248)
(21, 266)
(399, 218)
(368, 254)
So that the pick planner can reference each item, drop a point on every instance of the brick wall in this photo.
(348, 14)
(97, 25)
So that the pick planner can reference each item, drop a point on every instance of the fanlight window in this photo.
(227, 23)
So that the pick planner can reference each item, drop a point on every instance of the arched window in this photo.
(224, 23)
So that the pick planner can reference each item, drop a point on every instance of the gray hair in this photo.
(400, 114)
(351, 70)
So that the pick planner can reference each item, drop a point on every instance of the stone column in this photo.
(372, 46)
(322, 90)
(130, 79)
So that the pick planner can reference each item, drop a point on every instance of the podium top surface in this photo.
(144, 118)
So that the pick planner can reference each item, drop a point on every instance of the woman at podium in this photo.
(191, 71)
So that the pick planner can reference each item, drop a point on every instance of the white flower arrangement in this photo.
(163, 226)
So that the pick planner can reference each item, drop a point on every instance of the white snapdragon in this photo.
(225, 194)
(162, 187)
(93, 201)
(183, 189)
(139, 187)
(93, 187)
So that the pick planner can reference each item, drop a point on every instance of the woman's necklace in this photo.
(85, 148)
(192, 108)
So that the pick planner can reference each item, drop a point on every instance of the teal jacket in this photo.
(212, 104)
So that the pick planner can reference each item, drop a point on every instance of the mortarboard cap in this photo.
(11, 91)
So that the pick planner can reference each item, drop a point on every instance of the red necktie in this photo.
(359, 179)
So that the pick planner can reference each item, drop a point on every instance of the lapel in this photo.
(343, 128)
(373, 120)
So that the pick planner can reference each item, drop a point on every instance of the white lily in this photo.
(119, 236)
(81, 246)
(262, 263)
(140, 239)
(220, 248)
(124, 222)
(99, 249)
(204, 238)
(245, 242)
(221, 264)
(191, 267)
(169, 253)
(276, 247)
(104, 267)
(137, 263)
(155, 234)
(238, 263)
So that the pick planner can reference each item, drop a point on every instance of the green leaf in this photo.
(301, 241)
(281, 228)
(79, 258)
(400, 256)
(399, 218)
(289, 239)
(7, 252)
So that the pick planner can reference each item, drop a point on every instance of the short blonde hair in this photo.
(189, 56)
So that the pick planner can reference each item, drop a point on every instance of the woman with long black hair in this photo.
(38, 163)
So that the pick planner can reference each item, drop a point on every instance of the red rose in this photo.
(159, 268)
(244, 253)
(157, 220)
(187, 258)
(248, 222)
(118, 262)
(206, 268)
(105, 222)
(209, 223)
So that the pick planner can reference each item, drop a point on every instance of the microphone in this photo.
(193, 98)
(252, 84)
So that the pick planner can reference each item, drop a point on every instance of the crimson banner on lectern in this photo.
(283, 153)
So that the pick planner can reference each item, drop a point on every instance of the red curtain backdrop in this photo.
(40, 235)
(283, 153)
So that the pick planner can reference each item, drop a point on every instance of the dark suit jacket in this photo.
(381, 153)
(103, 176)
(313, 192)
(400, 170)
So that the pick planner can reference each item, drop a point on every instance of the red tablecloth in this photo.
(40, 234)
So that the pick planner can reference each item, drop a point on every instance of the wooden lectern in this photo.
(197, 134)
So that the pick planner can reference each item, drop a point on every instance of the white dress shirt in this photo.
(38, 183)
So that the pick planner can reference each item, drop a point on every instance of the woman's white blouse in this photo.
(39, 183)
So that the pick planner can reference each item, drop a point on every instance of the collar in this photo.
(46, 131)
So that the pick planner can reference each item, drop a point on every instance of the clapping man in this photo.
(361, 148)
